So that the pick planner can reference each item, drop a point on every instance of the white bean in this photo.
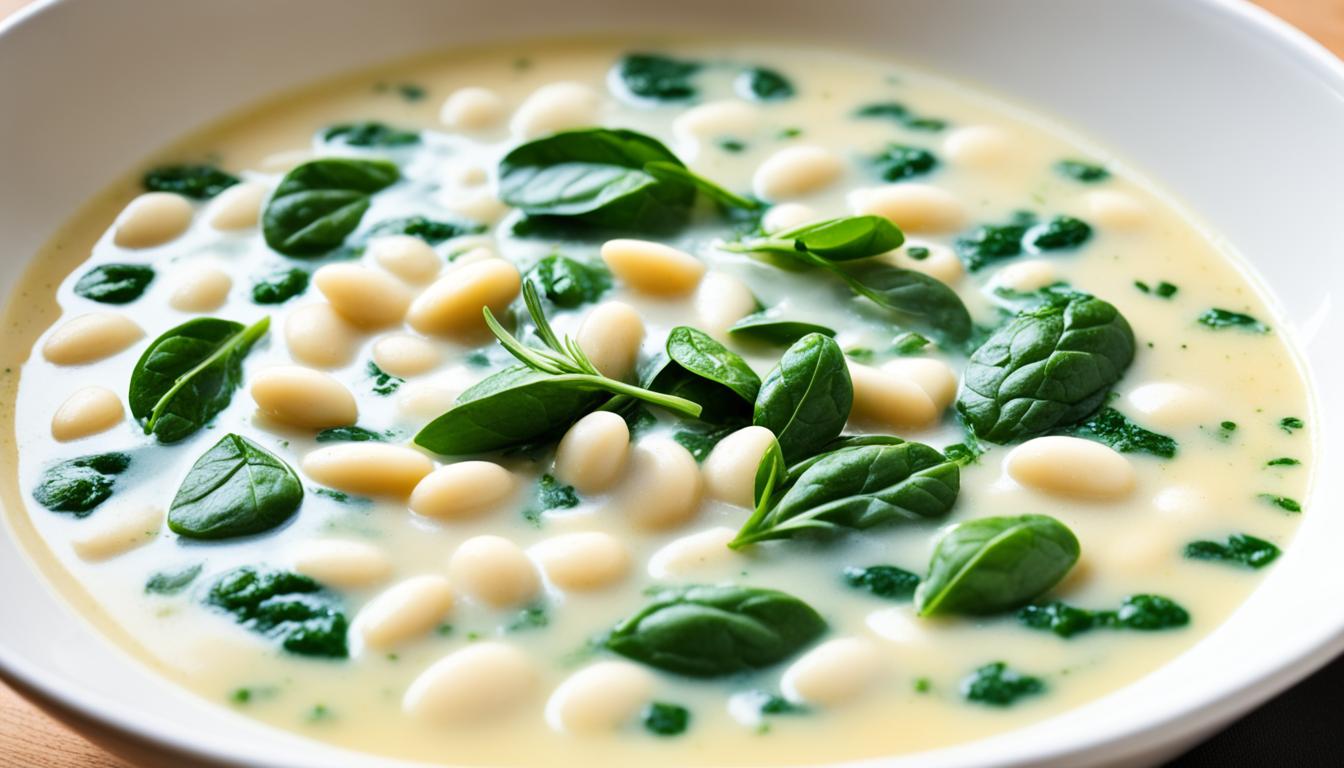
(653, 268)
(463, 490)
(1170, 405)
(316, 335)
(786, 216)
(1114, 209)
(1025, 275)
(476, 683)
(90, 337)
(238, 207)
(365, 297)
(556, 107)
(201, 289)
(938, 261)
(716, 120)
(1071, 467)
(796, 171)
(452, 304)
(473, 255)
(472, 109)
(932, 375)
(478, 204)
(832, 673)
(889, 400)
(918, 208)
(978, 146)
(494, 571)
(152, 219)
(303, 397)
(600, 698)
(368, 468)
(341, 563)
(663, 487)
(610, 335)
(429, 399)
(117, 530)
(697, 552)
(404, 611)
(593, 453)
(721, 300)
(404, 355)
(86, 412)
(582, 561)
(730, 468)
(406, 256)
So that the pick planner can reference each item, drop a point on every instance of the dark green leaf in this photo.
(553, 494)
(1290, 423)
(369, 133)
(988, 243)
(1113, 428)
(172, 582)
(569, 283)
(384, 383)
(114, 283)
(430, 230)
(909, 343)
(1145, 613)
(665, 719)
(1078, 170)
(200, 182)
(885, 581)
(320, 202)
(531, 617)
(762, 84)
(699, 354)
(1059, 233)
(1240, 548)
(279, 286)
(284, 606)
(768, 327)
(237, 488)
(79, 485)
(701, 443)
(1219, 319)
(998, 686)
(660, 78)
(900, 161)
(917, 297)
(1283, 461)
(1282, 502)
(676, 173)
(350, 435)
(805, 400)
(844, 239)
(897, 112)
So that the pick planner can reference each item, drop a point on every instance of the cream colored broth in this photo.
(1129, 546)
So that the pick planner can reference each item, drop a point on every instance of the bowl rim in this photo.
(1157, 728)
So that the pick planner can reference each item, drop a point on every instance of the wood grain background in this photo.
(31, 739)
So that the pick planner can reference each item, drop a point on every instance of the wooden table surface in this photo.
(31, 739)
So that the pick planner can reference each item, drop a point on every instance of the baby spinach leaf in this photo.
(909, 343)
(288, 607)
(1079, 170)
(1113, 428)
(1145, 613)
(901, 161)
(79, 485)
(899, 113)
(114, 283)
(200, 181)
(1219, 319)
(656, 77)
(663, 719)
(844, 239)
(279, 286)
(805, 400)
(1240, 548)
(998, 686)
(768, 327)
(701, 443)
(715, 631)
(369, 133)
(1046, 369)
(569, 283)
(994, 564)
(188, 375)
(1059, 233)
(678, 173)
(237, 488)
(701, 369)
(884, 581)
(762, 84)
(432, 231)
(350, 435)
(917, 297)
(320, 202)
(988, 243)
(173, 581)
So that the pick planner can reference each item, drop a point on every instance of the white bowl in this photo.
(1235, 113)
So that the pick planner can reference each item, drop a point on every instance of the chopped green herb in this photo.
(1282, 461)
(531, 617)
(241, 695)
(963, 453)
(1145, 613)
(731, 145)
(350, 435)
(553, 494)
(917, 252)
(1059, 233)
(170, 582)
(1113, 428)
(1240, 548)
(1165, 290)
(763, 84)
(332, 494)
(384, 383)
(988, 243)
(660, 78)
(789, 133)
(862, 354)
(885, 581)
(899, 161)
(279, 286)
(1222, 318)
(923, 685)
(897, 112)
(665, 719)
(200, 182)
(429, 230)
(998, 686)
(411, 91)
(318, 713)
(1228, 426)
(1290, 423)
(909, 343)
(369, 133)
(1282, 502)
(1078, 170)
(774, 704)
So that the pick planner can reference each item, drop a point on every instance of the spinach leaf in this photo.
(899, 113)
(79, 485)
(768, 327)
(1113, 428)
(1282, 502)
(805, 400)
(1078, 170)
(704, 371)
(1240, 548)
(369, 133)
(844, 239)
(285, 606)
(172, 582)
(569, 283)
(994, 564)
(188, 375)
(200, 181)
(762, 84)
(1044, 370)
(1059, 233)
(909, 343)
(384, 383)
(432, 231)
(531, 617)
(551, 494)
(114, 283)
(885, 581)
(350, 435)
(237, 488)
(656, 77)
(279, 286)
(663, 719)
(699, 443)
(1145, 613)
(914, 295)
(1219, 319)
(998, 686)
(1290, 423)
(901, 161)
(678, 173)
(320, 202)
(715, 631)
(988, 243)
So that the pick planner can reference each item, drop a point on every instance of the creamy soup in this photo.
(824, 410)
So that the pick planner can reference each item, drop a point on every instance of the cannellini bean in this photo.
(404, 355)
(463, 490)
(796, 171)
(1170, 405)
(303, 397)
(477, 204)
(721, 300)
(480, 681)
(238, 207)
(316, 335)
(472, 109)
(716, 120)
(696, 552)
(365, 297)
(117, 530)
(582, 561)
(932, 375)
(593, 453)
(786, 216)
(428, 399)
(610, 335)
(890, 400)
(978, 146)
(663, 487)
(452, 304)
(834, 672)
(90, 337)
(1025, 275)
(494, 571)
(201, 289)
(730, 468)
(1113, 209)
(341, 563)
(653, 268)
(600, 698)
(556, 107)
(940, 262)
(1071, 467)
(473, 255)
(470, 175)
(368, 468)
(152, 219)
(918, 208)
(87, 412)
(404, 611)
(406, 256)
